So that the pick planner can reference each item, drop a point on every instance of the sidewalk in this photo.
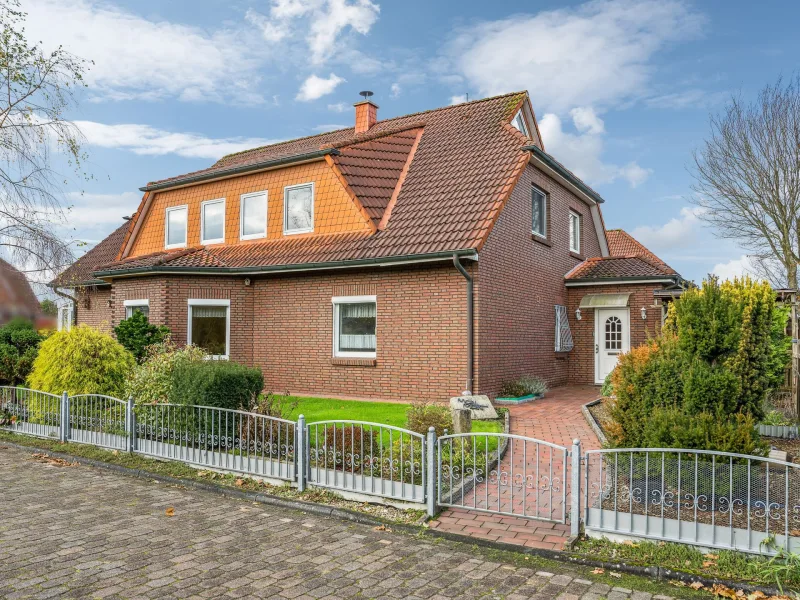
(557, 419)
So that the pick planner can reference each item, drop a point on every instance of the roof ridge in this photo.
(422, 112)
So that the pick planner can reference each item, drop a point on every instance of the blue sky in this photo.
(622, 89)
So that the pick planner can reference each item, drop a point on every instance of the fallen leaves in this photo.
(53, 461)
(616, 575)
(170, 512)
(696, 585)
(721, 591)
(239, 482)
(382, 528)
(598, 572)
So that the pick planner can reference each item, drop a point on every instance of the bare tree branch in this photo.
(36, 89)
(747, 178)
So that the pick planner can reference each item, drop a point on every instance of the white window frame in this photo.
(206, 302)
(337, 301)
(242, 199)
(520, 116)
(543, 233)
(574, 228)
(170, 209)
(133, 304)
(203, 221)
(65, 316)
(564, 340)
(286, 207)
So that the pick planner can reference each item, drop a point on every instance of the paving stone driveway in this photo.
(80, 532)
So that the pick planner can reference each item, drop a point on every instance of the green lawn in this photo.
(387, 413)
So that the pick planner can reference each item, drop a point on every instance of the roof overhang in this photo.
(300, 268)
(605, 301)
(77, 284)
(234, 171)
(619, 281)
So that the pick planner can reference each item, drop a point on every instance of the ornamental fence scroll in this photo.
(709, 499)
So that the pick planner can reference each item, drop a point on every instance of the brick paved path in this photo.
(78, 532)
(557, 418)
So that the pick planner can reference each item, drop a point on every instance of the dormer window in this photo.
(298, 208)
(212, 222)
(176, 221)
(519, 123)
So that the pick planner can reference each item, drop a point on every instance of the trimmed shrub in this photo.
(423, 415)
(151, 381)
(607, 388)
(81, 361)
(136, 333)
(217, 383)
(532, 385)
(19, 345)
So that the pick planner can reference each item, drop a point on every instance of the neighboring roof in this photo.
(464, 167)
(622, 243)
(16, 295)
(620, 267)
(80, 272)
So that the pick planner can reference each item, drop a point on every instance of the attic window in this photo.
(298, 208)
(176, 222)
(519, 123)
(212, 222)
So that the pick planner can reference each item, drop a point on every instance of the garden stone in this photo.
(480, 407)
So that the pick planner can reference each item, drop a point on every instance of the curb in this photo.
(587, 414)
(657, 573)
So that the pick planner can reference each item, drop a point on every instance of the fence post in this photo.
(64, 417)
(431, 491)
(300, 453)
(130, 425)
(575, 499)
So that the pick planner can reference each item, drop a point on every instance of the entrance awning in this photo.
(604, 301)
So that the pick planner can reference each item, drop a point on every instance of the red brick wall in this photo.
(284, 325)
(582, 360)
(92, 307)
(520, 280)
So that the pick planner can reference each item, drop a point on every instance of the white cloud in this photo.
(693, 98)
(597, 54)
(586, 120)
(322, 22)
(340, 107)
(581, 152)
(395, 90)
(316, 87)
(89, 212)
(738, 267)
(458, 99)
(138, 58)
(146, 140)
(672, 235)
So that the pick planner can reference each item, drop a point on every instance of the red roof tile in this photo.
(464, 166)
(621, 243)
(16, 295)
(80, 272)
(617, 267)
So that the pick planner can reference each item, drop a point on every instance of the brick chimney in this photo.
(366, 113)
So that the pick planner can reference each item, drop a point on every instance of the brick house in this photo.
(17, 298)
(409, 258)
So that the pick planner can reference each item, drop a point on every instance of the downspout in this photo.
(470, 325)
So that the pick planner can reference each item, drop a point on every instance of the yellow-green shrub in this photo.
(81, 361)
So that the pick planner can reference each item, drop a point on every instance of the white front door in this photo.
(611, 338)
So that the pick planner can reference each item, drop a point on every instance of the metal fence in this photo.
(367, 458)
(217, 438)
(710, 499)
(505, 474)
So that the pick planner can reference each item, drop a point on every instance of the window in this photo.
(539, 225)
(574, 232)
(176, 220)
(354, 326)
(65, 316)
(298, 208)
(253, 216)
(519, 123)
(212, 222)
(209, 326)
(564, 341)
(613, 333)
(134, 306)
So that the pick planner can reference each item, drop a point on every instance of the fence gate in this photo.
(504, 474)
(367, 458)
